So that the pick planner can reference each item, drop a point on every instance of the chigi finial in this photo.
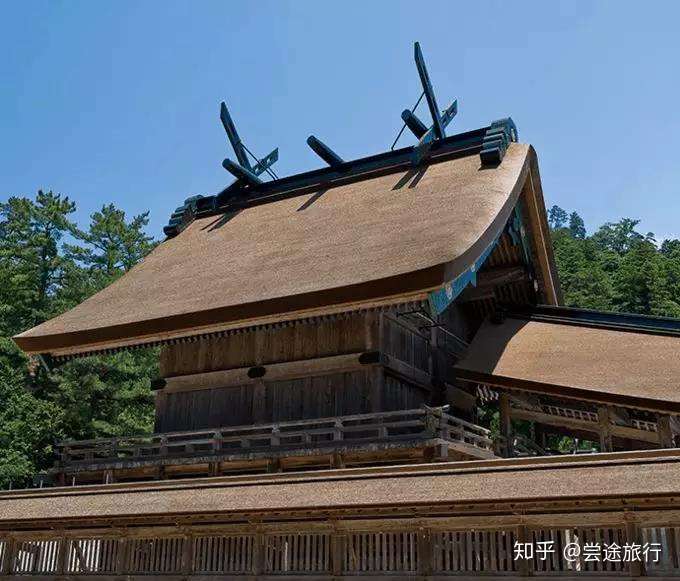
(490, 142)
(243, 170)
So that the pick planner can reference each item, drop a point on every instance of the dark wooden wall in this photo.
(334, 335)
(362, 391)
(339, 394)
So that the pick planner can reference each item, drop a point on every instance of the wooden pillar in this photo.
(524, 566)
(425, 552)
(637, 568)
(258, 554)
(505, 424)
(337, 544)
(541, 436)
(187, 554)
(122, 564)
(664, 430)
(62, 555)
(7, 563)
(604, 421)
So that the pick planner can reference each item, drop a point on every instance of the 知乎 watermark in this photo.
(589, 552)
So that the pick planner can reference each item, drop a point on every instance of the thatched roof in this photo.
(376, 240)
(596, 476)
(608, 360)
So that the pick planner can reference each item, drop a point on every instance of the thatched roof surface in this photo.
(395, 235)
(637, 368)
(597, 476)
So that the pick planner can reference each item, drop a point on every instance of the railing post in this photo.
(258, 554)
(337, 545)
(62, 555)
(123, 555)
(163, 449)
(187, 554)
(217, 442)
(275, 439)
(430, 423)
(7, 564)
(444, 428)
(338, 433)
(633, 537)
(525, 567)
(425, 552)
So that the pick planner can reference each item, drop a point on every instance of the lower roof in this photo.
(622, 360)
(596, 476)
(384, 237)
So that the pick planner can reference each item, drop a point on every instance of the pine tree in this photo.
(43, 276)
(557, 217)
(577, 228)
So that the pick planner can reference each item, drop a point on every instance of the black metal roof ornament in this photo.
(248, 189)
(427, 136)
(242, 170)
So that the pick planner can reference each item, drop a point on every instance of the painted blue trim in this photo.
(440, 300)
(518, 233)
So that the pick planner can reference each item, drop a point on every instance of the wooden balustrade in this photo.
(414, 424)
(321, 550)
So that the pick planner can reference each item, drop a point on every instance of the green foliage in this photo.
(577, 227)
(106, 395)
(28, 424)
(617, 268)
(48, 265)
(557, 217)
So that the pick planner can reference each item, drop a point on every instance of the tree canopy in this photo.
(616, 268)
(48, 265)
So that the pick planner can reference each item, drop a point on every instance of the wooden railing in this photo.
(405, 549)
(414, 424)
(564, 412)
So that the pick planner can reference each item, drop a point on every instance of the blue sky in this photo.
(119, 101)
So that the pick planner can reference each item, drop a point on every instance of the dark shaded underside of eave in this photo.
(593, 395)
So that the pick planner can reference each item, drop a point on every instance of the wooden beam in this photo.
(532, 194)
(584, 425)
(418, 376)
(488, 279)
(273, 372)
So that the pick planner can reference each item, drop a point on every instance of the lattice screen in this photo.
(597, 537)
(483, 551)
(297, 553)
(156, 555)
(37, 557)
(668, 539)
(223, 554)
(380, 552)
(92, 555)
